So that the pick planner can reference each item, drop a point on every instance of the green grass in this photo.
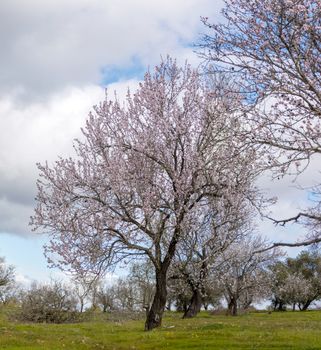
(288, 330)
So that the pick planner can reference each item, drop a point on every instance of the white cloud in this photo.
(23, 280)
(35, 133)
(47, 45)
(52, 61)
(292, 198)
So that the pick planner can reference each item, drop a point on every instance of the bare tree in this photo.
(107, 296)
(82, 290)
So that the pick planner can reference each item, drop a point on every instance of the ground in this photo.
(257, 330)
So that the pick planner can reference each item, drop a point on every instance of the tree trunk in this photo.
(293, 306)
(195, 305)
(232, 307)
(234, 310)
(81, 306)
(306, 305)
(281, 306)
(155, 313)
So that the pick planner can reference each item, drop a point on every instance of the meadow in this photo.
(257, 330)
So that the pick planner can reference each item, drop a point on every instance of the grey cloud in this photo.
(46, 45)
(52, 56)
(14, 217)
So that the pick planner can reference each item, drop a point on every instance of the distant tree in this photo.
(8, 286)
(6, 273)
(216, 229)
(278, 274)
(143, 278)
(126, 294)
(298, 280)
(106, 297)
(243, 273)
(179, 292)
(83, 290)
(141, 175)
(296, 290)
(10, 293)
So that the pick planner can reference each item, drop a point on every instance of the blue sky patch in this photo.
(113, 73)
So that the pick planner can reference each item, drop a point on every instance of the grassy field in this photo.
(288, 330)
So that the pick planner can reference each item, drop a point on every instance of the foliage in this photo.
(297, 281)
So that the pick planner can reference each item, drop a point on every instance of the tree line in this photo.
(241, 281)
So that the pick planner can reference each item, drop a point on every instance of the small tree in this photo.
(142, 277)
(8, 286)
(83, 290)
(126, 294)
(243, 273)
(6, 273)
(278, 274)
(106, 297)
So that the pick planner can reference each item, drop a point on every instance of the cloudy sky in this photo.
(57, 57)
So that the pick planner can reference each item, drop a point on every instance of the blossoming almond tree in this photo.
(242, 272)
(140, 175)
(221, 225)
(273, 49)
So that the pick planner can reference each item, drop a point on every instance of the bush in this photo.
(50, 303)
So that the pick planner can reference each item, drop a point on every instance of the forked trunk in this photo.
(195, 305)
(155, 313)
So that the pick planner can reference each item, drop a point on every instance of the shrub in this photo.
(50, 303)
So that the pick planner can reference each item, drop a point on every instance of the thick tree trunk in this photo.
(155, 313)
(195, 304)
